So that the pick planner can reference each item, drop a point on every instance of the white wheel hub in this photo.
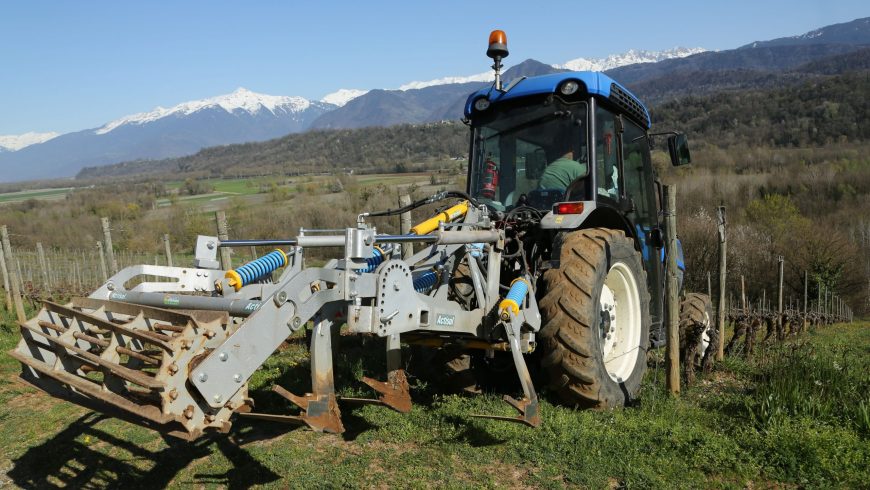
(620, 319)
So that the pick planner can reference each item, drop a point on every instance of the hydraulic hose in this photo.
(422, 202)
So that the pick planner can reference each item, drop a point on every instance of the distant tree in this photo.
(193, 187)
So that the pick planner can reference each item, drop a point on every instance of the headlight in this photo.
(481, 104)
(569, 87)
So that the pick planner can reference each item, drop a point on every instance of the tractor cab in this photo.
(564, 138)
(574, 146)
(571, 145)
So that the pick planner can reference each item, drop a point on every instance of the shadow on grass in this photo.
(472, 434)
(83, 455)
(72, 459)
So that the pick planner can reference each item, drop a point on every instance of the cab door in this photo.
(639, 199)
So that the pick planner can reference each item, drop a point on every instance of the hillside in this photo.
(813, 110)
(366, 149)
(853, 32)
(815, 113)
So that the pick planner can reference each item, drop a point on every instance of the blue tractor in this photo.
(563, 163)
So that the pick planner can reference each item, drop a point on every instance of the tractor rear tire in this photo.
(595, 308)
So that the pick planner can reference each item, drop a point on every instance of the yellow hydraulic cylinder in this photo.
(447, 215)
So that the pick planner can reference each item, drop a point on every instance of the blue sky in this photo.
(66, 66)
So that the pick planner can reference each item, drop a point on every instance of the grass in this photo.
(716, 435)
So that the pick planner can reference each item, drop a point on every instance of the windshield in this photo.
(532, 154)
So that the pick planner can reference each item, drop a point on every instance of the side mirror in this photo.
(678, 147)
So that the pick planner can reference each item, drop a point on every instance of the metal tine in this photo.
(137, 355)
(141, 335)
(86, 365)
(130, 375)
(168, 327)
(142, 355)
(93, 389)
(79, 335)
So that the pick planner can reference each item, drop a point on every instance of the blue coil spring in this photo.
(425, 281)
(259, 268)
(517, 293)
(375, 260)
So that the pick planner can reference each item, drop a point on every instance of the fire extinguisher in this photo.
(490, 179)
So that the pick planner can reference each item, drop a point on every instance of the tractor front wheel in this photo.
(596, 316)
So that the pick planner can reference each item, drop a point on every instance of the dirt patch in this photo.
(30, 401)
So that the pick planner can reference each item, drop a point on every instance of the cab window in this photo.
(606, 155)
(530, 155)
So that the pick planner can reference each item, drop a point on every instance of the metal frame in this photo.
(221, 358)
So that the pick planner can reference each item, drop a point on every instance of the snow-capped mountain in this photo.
(15, 142)
(242, 100)
(630, 57)
(342, 96)
(435, 102)
(239, 117)
(480, 77)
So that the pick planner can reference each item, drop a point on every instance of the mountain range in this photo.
(238, 117)
(245, 116)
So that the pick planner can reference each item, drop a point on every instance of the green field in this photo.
(715, 436)
(231, 186)
(41, 194)
(245, 188)
(221, 189)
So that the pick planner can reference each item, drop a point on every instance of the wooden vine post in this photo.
(168, 249)
(6, 286)
(781, 260)
(672, 300)
(223, 234)
(43, 268)
(13, 275)
(107, 237)
(723, 260)
(103, 270)
(405, 226)
(806, 290)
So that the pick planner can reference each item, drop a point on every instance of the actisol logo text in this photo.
(445, 320)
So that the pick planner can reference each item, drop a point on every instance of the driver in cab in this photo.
(563, 170)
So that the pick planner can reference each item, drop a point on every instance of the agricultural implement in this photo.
(552, 257)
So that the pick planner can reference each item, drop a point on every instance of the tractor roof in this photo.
(596, 83)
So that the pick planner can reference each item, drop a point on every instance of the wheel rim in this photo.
(620, 322)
